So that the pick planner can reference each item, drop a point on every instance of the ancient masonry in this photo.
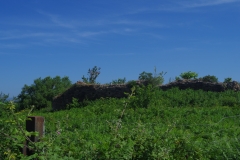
(83, 91)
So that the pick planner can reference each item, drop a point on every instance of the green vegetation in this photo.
(3, 97)
(188, 75)
(209, 78)
(149, 124)
(227, 80)
(41, 93)
(118, 81)
(92, 75)
(153, 79)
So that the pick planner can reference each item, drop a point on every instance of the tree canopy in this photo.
(3, 97)
(153, 79)
(92, 75)
(42, 91)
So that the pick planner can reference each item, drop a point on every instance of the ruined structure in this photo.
(83, 91)
(206, 86)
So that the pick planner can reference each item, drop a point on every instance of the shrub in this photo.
(3, 97)
(154, 80)
(143, 96)
(189, 75)
(42, 91)
(92, 75)
(227, 80)
(118, 81)
(209, 78)
(177, 78)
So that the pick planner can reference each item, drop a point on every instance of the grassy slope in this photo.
(156, 132)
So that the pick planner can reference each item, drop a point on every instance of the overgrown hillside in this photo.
(149, 124)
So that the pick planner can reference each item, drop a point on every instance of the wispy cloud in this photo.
(179, 6)
(12, 46)
(116, 54)
(92, 33)
(56, 20)
(63, 40)
(138, 23)
(204, 3)
(20, 35)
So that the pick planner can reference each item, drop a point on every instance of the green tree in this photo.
(42, 91)
(3, 97)
(3, 101)
(177, 78)
(209, 78)
(227, 80)
(153, 79)
(118, 81)
(92, 75)
(189, 75)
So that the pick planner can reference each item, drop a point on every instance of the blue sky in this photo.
(41, 38)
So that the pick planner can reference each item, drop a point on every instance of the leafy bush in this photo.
(118, 81)
(154, 80)
(177, 78)
(142, 96)
(3, 97)
(41, 93)
(76, 104)
(189, 75)
(209, 78)
(227, 80)
(92, 75)
(13, 134)
(183, 125)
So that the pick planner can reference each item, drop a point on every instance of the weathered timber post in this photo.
(33, 124)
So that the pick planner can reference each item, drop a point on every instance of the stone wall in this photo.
(206, 86)
(83, 91)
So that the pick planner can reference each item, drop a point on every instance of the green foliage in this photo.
(131, 83)
(148, 124)
(227, 80)
(154, 80)
(177, 78)
(209, 78)
(189, 75)
(145, 76)
(112, 129)
(41, 93)
(142, 96)
(13, 135)
(3, 100)
(92, 75)
(3, 97)
(118, 81)
(11, 132)
(76, 104)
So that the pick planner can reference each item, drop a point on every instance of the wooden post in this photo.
(34, 124)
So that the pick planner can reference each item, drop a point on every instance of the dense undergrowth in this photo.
(149, 124)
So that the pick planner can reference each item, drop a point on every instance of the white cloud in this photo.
(12, 46)
(91, 33)
(116, 54)
(205, 3)
(56, 20)
(19, 34)
(179, 6)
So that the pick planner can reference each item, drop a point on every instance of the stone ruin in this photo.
(81, 90)
(206, 86)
